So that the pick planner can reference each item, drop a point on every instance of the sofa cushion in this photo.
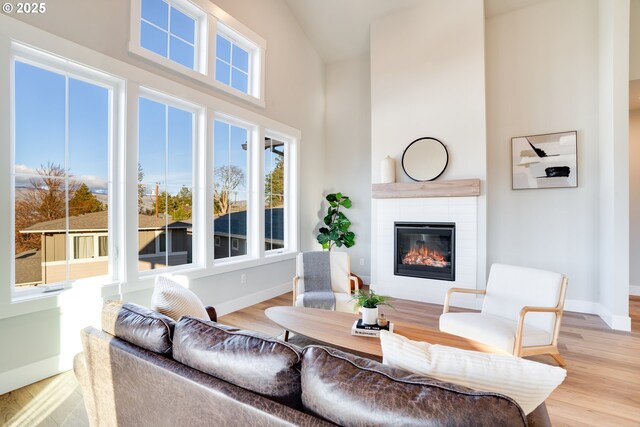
(248, 359)
(498, 332)
(138, 325)
(173, 299)
(352, 391)
(527, 382)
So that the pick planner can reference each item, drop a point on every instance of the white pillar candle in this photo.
(387, 170)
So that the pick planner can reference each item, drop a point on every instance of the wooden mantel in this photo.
(403, 190)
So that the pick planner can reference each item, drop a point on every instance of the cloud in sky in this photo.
(24, 175)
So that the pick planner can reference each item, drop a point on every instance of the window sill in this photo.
(34, 300)
(193, 74)
(147, 279)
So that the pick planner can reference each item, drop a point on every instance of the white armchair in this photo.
(521, 312)
(341, 280)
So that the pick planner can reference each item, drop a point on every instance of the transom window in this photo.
(232, 64)
(168, 31)
(199, 40)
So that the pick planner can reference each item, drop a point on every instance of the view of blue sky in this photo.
(165, 145)
(228, 150)
(232, 64)
(40, 126)
(167, 31)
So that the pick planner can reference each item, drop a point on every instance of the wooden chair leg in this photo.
(559, 359)
(286, 335)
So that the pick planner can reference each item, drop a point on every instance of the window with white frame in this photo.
(238, 61)
(165, 183)
(231, 189)
(275, 181)
(72, 173)
(232, 63)
(200, 40)
(169, 28)
(61, 169)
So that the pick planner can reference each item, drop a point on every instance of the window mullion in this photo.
(130, 215)
(166, 180)
(258, 196)
(66, 176)
(208, 170)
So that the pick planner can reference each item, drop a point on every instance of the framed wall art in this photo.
(545, 161)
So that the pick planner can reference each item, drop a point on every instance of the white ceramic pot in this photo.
(370, 316)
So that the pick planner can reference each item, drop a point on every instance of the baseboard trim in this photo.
(617, 322)
(251, 299)
(580, 306)
(634, 290)
(29, 374)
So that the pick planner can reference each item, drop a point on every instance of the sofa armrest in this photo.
(447, 298)
(211, 311)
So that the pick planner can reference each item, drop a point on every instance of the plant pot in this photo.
(370, 316)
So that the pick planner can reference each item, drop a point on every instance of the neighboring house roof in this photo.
(98, 221)
(238, 221)
(28, 267)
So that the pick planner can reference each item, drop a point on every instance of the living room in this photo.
(338, 86)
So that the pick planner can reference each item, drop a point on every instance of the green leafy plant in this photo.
(337, 224)
(369, 299)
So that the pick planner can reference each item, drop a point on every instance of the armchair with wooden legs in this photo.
(341, 281)
(521, 312)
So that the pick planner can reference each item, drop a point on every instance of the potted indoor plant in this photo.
(368, 302)
(336, 232)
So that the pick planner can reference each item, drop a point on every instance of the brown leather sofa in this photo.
(144, 369)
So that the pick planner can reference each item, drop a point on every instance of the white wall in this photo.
(542, 77)
(613, 106)
(427, 79)
(634, 201)
(294, 92)
(348, 149)
(550, 68)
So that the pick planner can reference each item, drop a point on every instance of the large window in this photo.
(275, 156)
(231, 195)
(116, 174)
(61, 174)
(165, 185)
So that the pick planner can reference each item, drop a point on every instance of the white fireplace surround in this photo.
(463, 211)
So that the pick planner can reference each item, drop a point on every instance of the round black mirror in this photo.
(425, 159)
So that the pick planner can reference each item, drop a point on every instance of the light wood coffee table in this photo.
(334, 328)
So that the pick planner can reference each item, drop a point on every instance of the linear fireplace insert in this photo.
(425, 249)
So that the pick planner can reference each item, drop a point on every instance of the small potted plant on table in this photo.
(368, 302)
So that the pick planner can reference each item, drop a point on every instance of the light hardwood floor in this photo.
(602, 386)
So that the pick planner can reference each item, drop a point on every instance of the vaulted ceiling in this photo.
(339, 29)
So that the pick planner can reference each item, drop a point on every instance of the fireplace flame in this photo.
(422, 255)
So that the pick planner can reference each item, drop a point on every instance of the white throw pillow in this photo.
(174, 300)
(528, 383)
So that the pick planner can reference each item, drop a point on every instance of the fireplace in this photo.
(425, 249)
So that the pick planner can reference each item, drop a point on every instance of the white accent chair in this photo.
(341, 280)
(521, 312)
